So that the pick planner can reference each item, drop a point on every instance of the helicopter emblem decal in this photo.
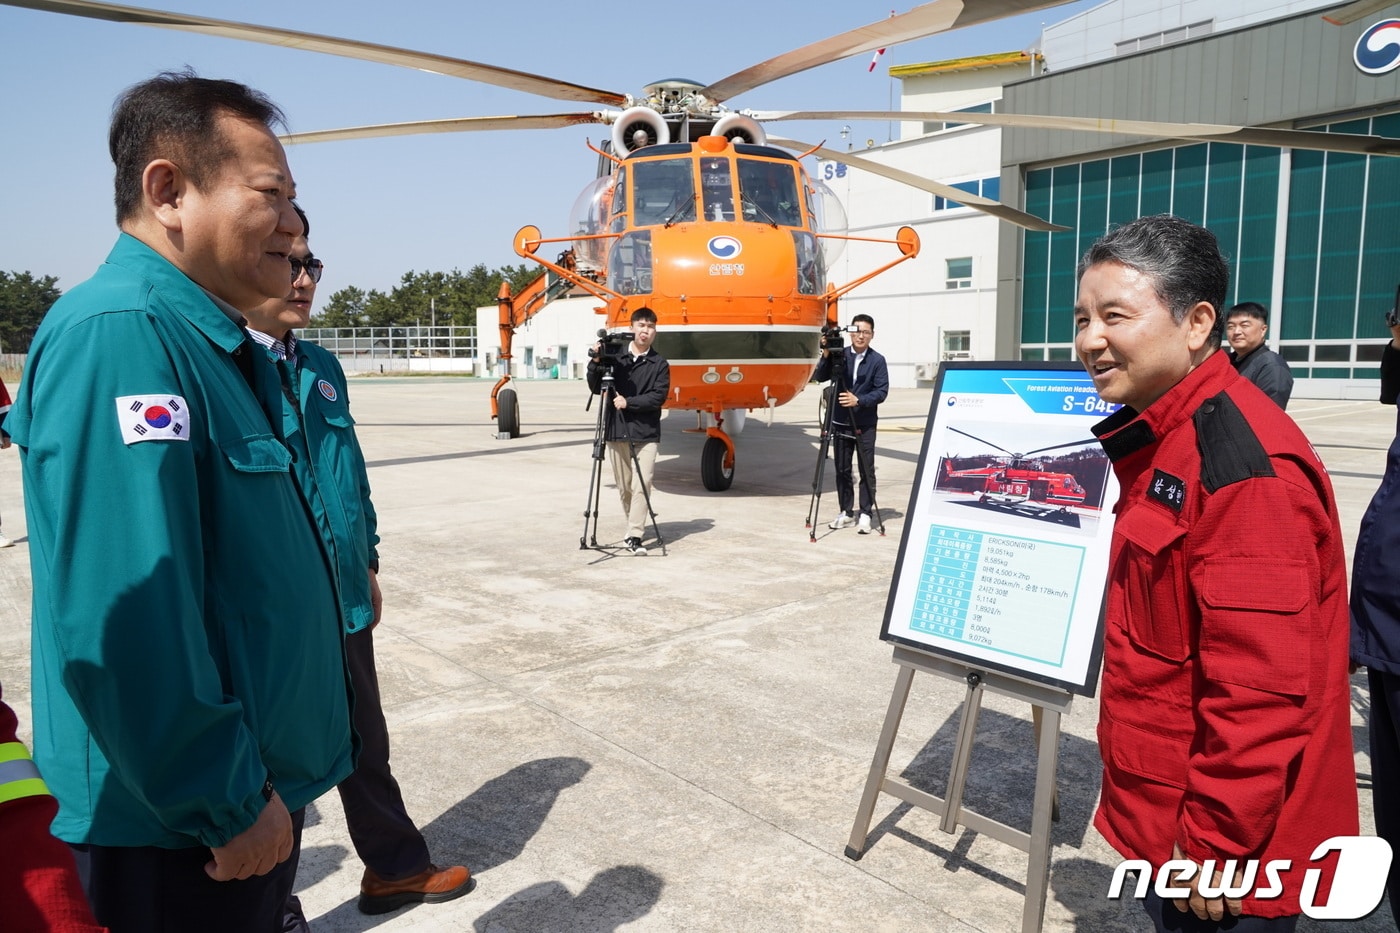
(724, 247)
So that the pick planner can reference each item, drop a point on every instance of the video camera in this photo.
(611, 347)
(832, 336)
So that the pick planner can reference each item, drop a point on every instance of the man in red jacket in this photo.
(1224, 721)
(38, 879)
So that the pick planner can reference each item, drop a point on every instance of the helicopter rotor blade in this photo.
(349, 48)
(543, 121)
(1041, 450)
(1256, 135)
(976, 202)
(983, 441)
(925, 20)
(1355, 11)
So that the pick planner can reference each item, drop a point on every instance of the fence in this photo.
(371, 349)
(398, 349)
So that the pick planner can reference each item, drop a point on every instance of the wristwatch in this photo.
(267, 789)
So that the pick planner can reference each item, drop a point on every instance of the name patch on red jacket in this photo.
(1168, 490)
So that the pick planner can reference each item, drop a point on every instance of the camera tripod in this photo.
(589, 539)
(847, 433)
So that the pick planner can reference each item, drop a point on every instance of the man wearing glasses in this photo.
(330, 470)
(185, 711)
(866, 384)
(1245, 327)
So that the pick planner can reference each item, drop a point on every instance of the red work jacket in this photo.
(39, 889)
(1225, 719)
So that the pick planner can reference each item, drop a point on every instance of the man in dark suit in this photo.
(866, 383)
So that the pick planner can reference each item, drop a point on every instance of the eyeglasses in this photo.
(310, 265)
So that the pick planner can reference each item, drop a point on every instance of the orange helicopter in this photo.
(1020, 483)
(696, 213)
(721, 237)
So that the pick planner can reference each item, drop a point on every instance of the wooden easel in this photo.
(1047, 705)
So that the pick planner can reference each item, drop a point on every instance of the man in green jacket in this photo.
(185, 708)
(330, 470)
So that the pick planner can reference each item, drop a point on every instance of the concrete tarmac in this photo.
(678, 742)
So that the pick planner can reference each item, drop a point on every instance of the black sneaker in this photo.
(635, 546)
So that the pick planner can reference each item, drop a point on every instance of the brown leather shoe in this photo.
(431, 886)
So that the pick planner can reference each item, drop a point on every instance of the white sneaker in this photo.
(863, 527)
(6, 542)
(843, 520)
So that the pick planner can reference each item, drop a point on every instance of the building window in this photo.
(960, 272)
(989, 188)
(938, 126)
(957, 344)
(1155, 40)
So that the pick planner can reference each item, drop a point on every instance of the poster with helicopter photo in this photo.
(1004, 555)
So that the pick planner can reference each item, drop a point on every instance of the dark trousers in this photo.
(1385, 771)
(845, 483)
(384, 836)
(147, 889)
(1167, 919)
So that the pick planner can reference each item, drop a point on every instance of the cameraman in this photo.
(642, 379)
(866, 384)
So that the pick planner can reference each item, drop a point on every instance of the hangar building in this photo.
(1312, 236)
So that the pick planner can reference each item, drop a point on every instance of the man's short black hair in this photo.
(175, 116)
(864, 319)
(1182, 259)
(1250, 309)
(643, 314)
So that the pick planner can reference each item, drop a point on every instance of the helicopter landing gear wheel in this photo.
(716, 476)
(507, 413)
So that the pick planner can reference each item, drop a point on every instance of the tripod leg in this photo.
(646, 488)
(589, 538)
(819, 475)
(596, 492)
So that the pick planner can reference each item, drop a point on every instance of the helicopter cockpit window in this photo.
(811, 264)
(717, 188)
(768, 193)
(663, 192)
(629, 264)
(619, 204)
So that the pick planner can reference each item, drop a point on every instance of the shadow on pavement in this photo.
(999, 780)
(489, 828)
(614, 897)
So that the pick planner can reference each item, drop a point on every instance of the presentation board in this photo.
(1004, 555)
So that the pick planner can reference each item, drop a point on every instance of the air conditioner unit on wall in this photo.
(925, 370)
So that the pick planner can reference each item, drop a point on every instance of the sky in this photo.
(382, 207)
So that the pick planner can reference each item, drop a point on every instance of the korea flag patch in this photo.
(153, 418)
